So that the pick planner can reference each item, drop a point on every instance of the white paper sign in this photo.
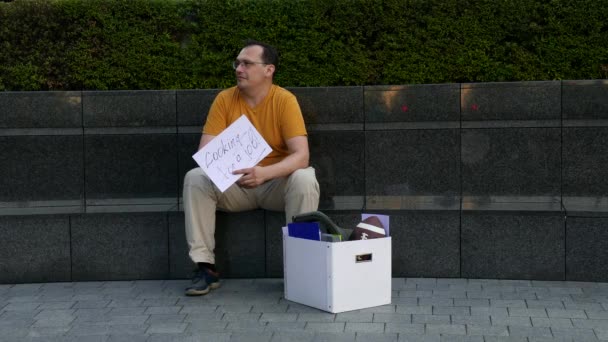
(239, 146)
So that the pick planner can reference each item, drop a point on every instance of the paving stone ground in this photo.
(422, 309)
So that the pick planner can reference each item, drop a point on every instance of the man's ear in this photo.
(270, 68)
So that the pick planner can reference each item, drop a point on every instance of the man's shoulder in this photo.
(281, 92)
(228, 92)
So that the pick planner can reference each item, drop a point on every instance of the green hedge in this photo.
(185, 44)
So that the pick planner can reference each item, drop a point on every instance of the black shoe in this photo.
(203, 282)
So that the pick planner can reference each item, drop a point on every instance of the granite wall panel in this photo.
(412, 103)
(511, 165)
(513, 245)
(131, 108)
(412, 169)
(585, 102)
(585, 169)
(187, 146)
(330, 105)
(240, 249)
(274, 243)
(131, 169)
(41, 171)
(426, 243)
(338, 159)
(511, 101)
(180, 265)
(193, 106)
(26, 109)
(35, 249)
(120, 246)
(587, 248)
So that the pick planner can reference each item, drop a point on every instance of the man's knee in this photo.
(198, 178)
(303, 180)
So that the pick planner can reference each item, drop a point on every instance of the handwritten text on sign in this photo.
(239, 146)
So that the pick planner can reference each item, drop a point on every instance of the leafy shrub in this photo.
(186, 44)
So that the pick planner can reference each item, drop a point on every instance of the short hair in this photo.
(269, 53)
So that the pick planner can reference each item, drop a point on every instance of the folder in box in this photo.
(304, 230)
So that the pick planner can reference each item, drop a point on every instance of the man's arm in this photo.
(298, 158)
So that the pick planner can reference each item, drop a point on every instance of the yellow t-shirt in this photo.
(278, 118)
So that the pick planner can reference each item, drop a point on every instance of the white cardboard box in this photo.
(337, 276)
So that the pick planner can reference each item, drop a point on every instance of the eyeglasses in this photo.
(246, 64)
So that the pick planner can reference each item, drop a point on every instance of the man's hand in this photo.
(297, 159)
(252, 177)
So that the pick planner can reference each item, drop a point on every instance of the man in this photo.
(282, 181)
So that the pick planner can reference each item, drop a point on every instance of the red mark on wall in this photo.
(404, 108)
(474, 106)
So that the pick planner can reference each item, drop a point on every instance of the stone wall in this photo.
(485, 180)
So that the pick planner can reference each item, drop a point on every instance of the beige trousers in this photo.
(295, 194)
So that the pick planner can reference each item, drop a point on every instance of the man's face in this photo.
(251, 71)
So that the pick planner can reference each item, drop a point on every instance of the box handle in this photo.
(363, 258)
